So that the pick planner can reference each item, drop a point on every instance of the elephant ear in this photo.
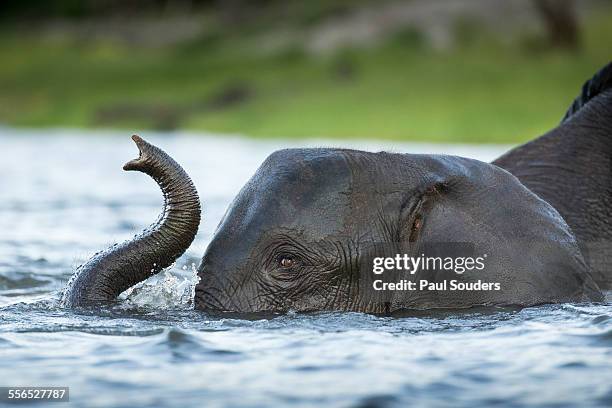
(571, 168)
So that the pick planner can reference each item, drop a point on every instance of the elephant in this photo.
(303, 233)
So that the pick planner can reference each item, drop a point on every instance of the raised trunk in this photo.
(116, 269)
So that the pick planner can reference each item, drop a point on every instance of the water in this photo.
(65, 197)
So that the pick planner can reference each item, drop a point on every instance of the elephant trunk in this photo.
(116, 269)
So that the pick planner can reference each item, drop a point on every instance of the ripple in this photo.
(602, 319)
(21, 282)
(377, 401)
(605, 337)
(574, 364)
(182, 346)
(5, 343)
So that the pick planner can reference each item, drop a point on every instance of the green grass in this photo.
(481, 91)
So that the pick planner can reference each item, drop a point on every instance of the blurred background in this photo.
(474, 71)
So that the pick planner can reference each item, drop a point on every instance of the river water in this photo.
(63, 196)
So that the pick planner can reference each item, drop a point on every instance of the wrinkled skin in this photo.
(302, 232)
(110, 272)
(321, 209)
(571, 168)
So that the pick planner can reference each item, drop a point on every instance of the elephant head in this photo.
(300, 234)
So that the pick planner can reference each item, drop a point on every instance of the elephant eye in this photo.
(286, 262)
(416, 227)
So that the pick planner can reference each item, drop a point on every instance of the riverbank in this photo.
(485, 88)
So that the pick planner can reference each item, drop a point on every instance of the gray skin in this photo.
(571, 168)
(110, 272)
(299, 234)
(302, 232)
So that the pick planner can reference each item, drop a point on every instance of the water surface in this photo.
(64, 197)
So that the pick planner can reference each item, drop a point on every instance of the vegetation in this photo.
(481, 90)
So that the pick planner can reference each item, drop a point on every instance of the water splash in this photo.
(172, 289)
